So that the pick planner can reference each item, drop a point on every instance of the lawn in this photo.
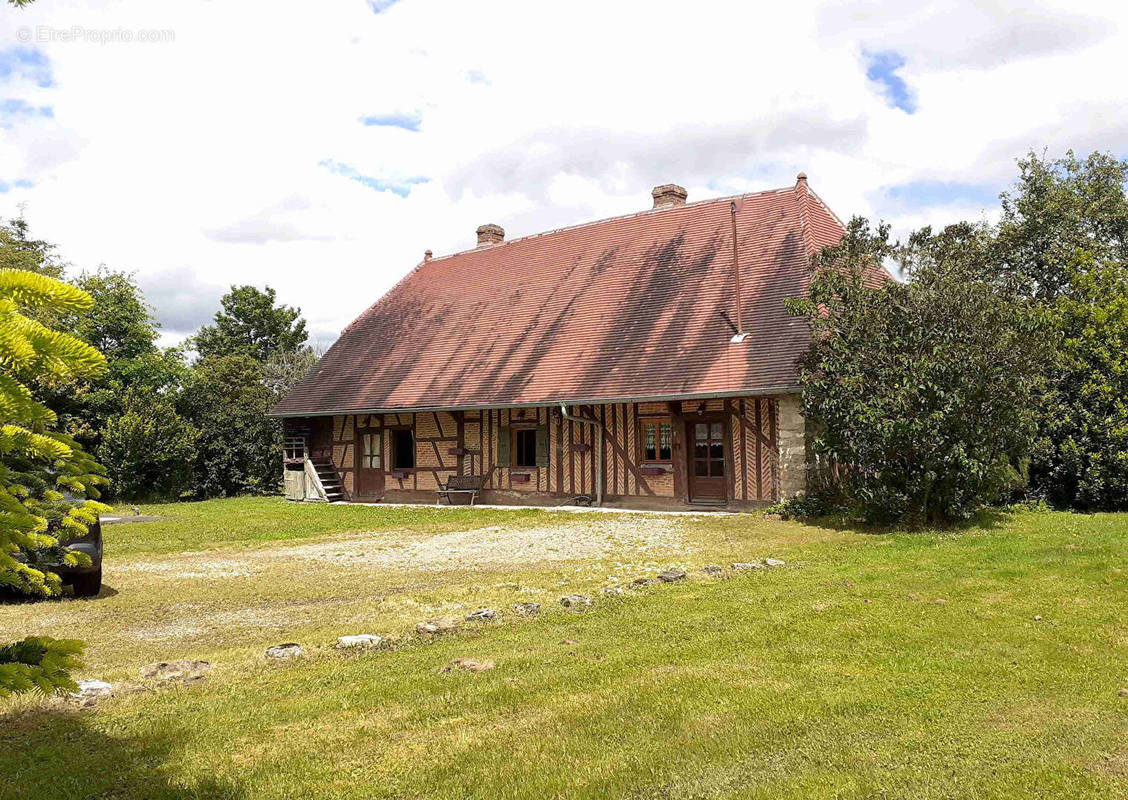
(979, 663)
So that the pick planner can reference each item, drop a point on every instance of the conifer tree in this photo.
(40, 466)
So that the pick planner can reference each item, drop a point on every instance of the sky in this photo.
(321, 148)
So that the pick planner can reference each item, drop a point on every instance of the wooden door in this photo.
(370, 466)
(708, 460)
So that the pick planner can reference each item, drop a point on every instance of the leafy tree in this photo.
(1064, 236)
(124, 330)
(149, 450)
(251, 323)
(921, 391)
(37, 464)
(285, 369)
(19, 251)
(238, 448)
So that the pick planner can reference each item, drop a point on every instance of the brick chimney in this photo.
(668, 194)
(490, 234)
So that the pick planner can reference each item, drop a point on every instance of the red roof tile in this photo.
(631, 307)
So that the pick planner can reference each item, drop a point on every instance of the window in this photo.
(403, 449)
(655, 440)
(525, 447)
(370, 451)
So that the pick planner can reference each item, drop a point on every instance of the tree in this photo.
(1064, 236)
(37, 464)
(239, 448)
(124, 329)
(920, 391)
(251, 323)
(284, 370)
(19, 251)
(149, 450)
(121, 325)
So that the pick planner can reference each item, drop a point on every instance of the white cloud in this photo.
(198, 161)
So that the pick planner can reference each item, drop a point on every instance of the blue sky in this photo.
(323, 154)
(408, 122)
(28, 63)
(882, 69)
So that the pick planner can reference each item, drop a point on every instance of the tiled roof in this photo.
(630, 307)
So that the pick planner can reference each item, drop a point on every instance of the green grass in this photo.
(249, 521)
(839, 675)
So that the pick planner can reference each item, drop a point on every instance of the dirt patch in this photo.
(478, 547)
(500, 546)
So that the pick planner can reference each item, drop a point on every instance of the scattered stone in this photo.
(914, 597)
(183, 670)
(576, 602)
(358, 640)
(1123, 692)
(712, 569)
(640, 583)
(288, 650)
(742, 566)
(434, 627)
(1037, 617)
(774, 562)
(672, 575)
(482, 615)
(819, 607)
(91, 692)
(468, 665)
(940, 601)
(568, 641)
(527, 609)
(612, 591)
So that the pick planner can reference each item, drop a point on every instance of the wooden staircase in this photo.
(330, 481)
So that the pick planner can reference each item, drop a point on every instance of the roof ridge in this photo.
(578, 225)
(827, 209)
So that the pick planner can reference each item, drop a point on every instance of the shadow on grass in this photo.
(11, 597)
(987, 519)
(61, 754)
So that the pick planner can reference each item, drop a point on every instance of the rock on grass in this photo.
(575, 602)
(672, 575)
(482, 615)
(184, 669)
(92, 692)
(434, 627)
(283, 651)
(358, 640)
(526, 609)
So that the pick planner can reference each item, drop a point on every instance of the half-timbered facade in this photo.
(643, 361)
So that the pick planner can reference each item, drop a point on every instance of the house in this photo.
(640, 361)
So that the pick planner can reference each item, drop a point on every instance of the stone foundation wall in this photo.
(792, 447)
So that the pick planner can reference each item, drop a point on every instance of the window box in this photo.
(519, 477)
(652, 471)
(399, 473)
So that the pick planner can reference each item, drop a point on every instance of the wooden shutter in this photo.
(504, 439)
(542, 445)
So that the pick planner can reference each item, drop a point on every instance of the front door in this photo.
(707, 468)
(369, 467)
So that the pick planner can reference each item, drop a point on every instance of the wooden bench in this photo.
(460, 484)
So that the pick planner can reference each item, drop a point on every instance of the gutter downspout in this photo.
(598, 450)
